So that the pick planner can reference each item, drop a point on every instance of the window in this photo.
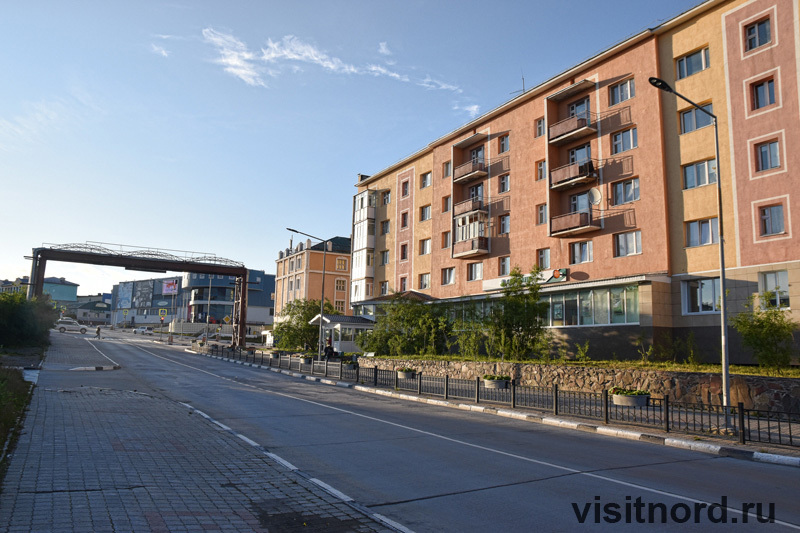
(424, 213)
(424, 247)
(505, 224)
(580, 154)
(621, 92)
(503, 144)
(626, 191)
(541, 214)
(699, 174)
(504, 266)
(757, 34)
(614, 305)
(541, 170)
(403, 252)
(476, 191)
(763, 94)
(446, 239)
(384, 227)
(386, 197)
(778, 284)
(503, 184)
(404, 188)
(539, 127)
(771, 220)
(692, 63)
(447, 169)
(339, 306)
(341, 285)
(403, 284)
(384, 257)
(694, 119)
(341, 263)
(425, 180)
(424, 281)
(629, 243)
(543, 257)
(624, 141)
(579, 203)
(291, 285)
(448, 276)
(474, 271)
(580, 109)
(476, 155)
(702, 295)
(702, 232)
(404, 220)
(580, 252)
(384, 288)
(767, 156)
(447, 204)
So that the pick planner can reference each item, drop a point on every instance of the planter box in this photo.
(405, 375)
(630, 401)
(495, 383)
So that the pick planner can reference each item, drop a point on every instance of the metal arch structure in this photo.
(147, 260)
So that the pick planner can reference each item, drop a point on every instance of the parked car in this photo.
(144, 330)
(70, 324)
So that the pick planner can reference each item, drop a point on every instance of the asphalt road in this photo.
(438, 469)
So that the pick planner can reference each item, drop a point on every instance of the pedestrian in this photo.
(97, 333)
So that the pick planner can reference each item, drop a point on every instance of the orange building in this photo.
(300, 270)
(600, 176)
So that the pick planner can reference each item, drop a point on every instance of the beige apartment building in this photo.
(610, 186)
(300, 274)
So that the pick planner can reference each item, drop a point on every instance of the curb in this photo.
(83, 368)
(609, 431)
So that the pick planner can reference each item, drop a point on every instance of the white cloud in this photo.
(430, 83)
(159, 50)
(377, 70)
(291, 48)
(38, 118)
(472, 110)
(234, 57)
(383, 49)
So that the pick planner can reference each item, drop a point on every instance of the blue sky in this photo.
(212, 126)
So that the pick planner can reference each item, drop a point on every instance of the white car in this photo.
(70, 324)
(144, 330)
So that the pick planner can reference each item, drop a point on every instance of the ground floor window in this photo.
(606, 305)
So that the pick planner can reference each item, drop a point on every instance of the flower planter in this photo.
(405, 375)
(627, 400)
(495, 383)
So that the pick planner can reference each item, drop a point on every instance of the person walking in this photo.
(97, 333)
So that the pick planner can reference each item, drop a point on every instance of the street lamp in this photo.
(322, 297)
(726, 387)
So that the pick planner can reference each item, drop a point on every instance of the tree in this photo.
(295, 332)
(25, 322)
(514, 326)
(407, 327)
(767, 330)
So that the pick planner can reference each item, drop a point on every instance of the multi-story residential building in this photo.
(600, 179)
(299, 274)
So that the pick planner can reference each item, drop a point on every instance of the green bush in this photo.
(13, 398)
(25, 322)
(767, 330)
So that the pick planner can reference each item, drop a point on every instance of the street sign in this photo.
(162, 313)
(124, 312)
(226, 319)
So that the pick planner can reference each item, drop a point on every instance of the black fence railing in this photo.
(754, 425)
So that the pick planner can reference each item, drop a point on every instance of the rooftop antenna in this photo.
(523, 84)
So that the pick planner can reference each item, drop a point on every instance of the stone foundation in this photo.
(755, 392)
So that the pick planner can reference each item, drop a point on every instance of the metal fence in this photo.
(754, 425)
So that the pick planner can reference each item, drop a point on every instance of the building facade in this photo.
(609, 186)
(299, 274)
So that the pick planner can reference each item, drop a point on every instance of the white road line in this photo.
(101, 353)
(281, 460)
(471, 445)
(248, 441)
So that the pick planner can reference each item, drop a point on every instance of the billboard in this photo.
(124, 295)
(143, 295)
(169, 286)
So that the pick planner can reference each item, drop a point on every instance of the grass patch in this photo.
(14, 396)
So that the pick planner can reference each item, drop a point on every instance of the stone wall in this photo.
(756, 392)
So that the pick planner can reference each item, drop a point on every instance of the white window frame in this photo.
(541, 214)
(770, 158)
(771, 220)
(752, 39)
(424, 213)
(621, 91)
(695, 113)
(448, 276)
(425, 180)
(474, 271)
(424, 247)
(681, 65)
(624, 141)
(626, 191)
(504, 184)
(543, 258)
(708, 175)
(539, 127)
(776, 282)
(628, 243)
(384, 257)
(581, 252)
(424, 281)
(504, 266)
(504, 144)
(504, 224)
(765, 98)
(447, 239)
(702, 232)
(697, 287)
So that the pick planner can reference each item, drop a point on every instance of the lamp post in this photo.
(322, 296)
(726, 387)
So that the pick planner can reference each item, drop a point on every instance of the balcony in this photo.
(468, 206)
(573, 224)
(471, 247)
(469, 171)
(572, 174)
(572, 128)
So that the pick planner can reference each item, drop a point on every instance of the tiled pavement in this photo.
(106, 460)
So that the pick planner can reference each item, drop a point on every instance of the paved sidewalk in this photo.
(106, 460)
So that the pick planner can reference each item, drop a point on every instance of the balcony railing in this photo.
(470, 170)
(573, 174)
(471, 247)
(473, 204)
(574, 223)
(573, 128)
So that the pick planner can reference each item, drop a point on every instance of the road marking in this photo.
(342, 496)
(101, 353)
(248, 441)
(281, 460)
(468, 444)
